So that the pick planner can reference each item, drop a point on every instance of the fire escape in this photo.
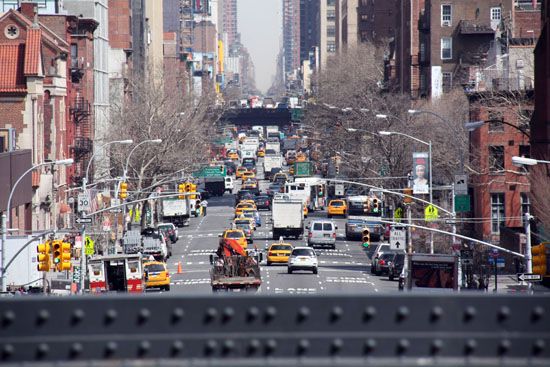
(82, 149)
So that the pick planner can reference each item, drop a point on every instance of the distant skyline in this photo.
(259, 23)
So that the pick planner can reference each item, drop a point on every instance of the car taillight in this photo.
(267, 203)
(381, 262)
(310, 235)
(334, 235)
(270, 254)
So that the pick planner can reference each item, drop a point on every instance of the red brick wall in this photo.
(11, 107)
(526, 20)
(120, 34)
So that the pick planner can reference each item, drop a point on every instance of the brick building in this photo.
(33, 95)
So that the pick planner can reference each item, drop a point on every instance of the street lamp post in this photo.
(429, 144)
(5, 218)
(83, 231)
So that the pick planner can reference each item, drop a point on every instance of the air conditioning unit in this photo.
(446, 23)
(7, 140)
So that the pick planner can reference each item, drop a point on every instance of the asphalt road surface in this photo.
(345, 269)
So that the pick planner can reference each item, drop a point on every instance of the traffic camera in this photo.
(181, 189)
(408, 199)
(43, 256)
(365, 237)
(539, 259)
(123, 192)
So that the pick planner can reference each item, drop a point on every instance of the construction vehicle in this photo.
(233, 268)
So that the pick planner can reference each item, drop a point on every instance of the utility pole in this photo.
(528, 256)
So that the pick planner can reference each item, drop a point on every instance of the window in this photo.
(74, 56)
(9, 4)
(446, 48)
(327, 226)
(496, 14)
(331, 31)
(496, 158)
(331, 47)
(331, 14)
(525, 205)
(447, 79)
(525, 151)
(422, 52)
(446, 15)
(495, 121)
(497, 212)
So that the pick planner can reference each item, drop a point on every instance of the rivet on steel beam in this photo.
(270, 314)
(42, 350)
(177, 347)
(110, 349)
(303, 314)
(369, 313)
(369, 346)
(110, 316)
(8, 318)
(537, 313)
(210, 347)
(436, 347)
(228, 346)
(252, 314)
(270, 346)
(470, 346)
(336, 313)
(143, 316)
(436, 314)
(403, 346)
(76, 350)
(336, 346)
(7, 351)
(228, 314)
(504, 313)
(469, 313)
(43, 316)
(177, 315)
(77, 316)
(253, 346)
(144, 348)
(303, 346)
(538, 346)
(504, 346)
(210, 314)
(402, 313)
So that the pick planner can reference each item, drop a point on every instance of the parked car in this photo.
(302, 258)
(263, 202)
(169, 230)
(380, 263)
(396, 265)
(321, 232)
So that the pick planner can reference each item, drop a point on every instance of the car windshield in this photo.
(154, 268)
(281, 247)
(234, 234)
(337, 203)
(303, 252)
(327, 226)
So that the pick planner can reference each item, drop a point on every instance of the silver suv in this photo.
(322, 233)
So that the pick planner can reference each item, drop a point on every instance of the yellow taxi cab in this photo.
(156, 275)
(261, 153)
(301, 157)
(233, 156)
(250, 184)
(336, 207)
(239, 172)
(247, 225)
(236, 234)
(279, 253)
(242, 206)
(247, 175)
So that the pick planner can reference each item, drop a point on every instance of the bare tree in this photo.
(540, 192)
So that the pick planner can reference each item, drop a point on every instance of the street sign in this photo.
(89, 246)
(398, 214)
(430, 213)
(339, 190)
(461, 184)
(83, 220)
(500, 262)
(462, 203)
(450, 221)
(494, 252)
(398, 238)
(84, 204)
(76, 274)
(115, 202)
(528, 277)
(209, 172)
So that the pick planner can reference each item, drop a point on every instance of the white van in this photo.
(229, 184)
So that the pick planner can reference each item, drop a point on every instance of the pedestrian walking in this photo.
(204, 205)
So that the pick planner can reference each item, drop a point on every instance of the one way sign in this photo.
(529, 277)
(398, 238)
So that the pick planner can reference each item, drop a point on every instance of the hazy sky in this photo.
(259, 22)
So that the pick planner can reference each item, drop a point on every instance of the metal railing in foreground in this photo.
(239, 330)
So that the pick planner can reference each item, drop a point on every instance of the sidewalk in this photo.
(508, 284)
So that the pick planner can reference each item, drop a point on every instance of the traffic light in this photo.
(43, 257)
(192, 188)
(366, 206)
(407, 199)
(365, 238)
(375, 205)
(123, 194)
(539, 259)
(181, 189)
(65, 257)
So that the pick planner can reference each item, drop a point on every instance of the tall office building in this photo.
(309, 27)
(229, 24)
(291, 35)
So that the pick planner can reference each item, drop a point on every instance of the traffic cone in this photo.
(179, 267)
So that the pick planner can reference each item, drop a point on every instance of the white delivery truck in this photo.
(288, 217)
(272, 132)
(251, 142)
(270, 162)
(299, 191)
(273, 145)
(248, 153)
(176, 211)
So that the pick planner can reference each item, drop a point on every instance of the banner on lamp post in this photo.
(421, 173)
